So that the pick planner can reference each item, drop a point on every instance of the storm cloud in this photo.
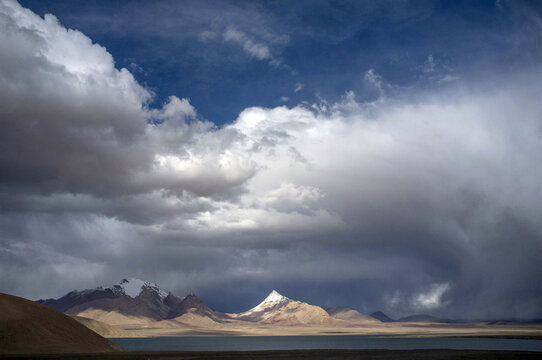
(418, 201)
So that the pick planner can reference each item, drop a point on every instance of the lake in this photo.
(246, 343)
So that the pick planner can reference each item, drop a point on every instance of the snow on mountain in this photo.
(272, 300)
(280, 310)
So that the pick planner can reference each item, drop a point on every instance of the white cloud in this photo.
(175, 110)
(207, 35)
(255, 49)
(258, 49)
(298, 87)
(429, 65)
(375, 79)
(432, 298)
(436, 69)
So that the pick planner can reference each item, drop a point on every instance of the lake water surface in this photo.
(322, 342)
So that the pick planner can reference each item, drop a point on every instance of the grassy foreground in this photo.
(290, 354)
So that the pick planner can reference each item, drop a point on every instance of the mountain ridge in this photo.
(134, 301)
(129, 301)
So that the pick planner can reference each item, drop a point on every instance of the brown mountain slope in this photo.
(192, 305)
(108, 312)
(28, 327)
(125, 311)
(146, 306)
(102, 328)
(280, 310)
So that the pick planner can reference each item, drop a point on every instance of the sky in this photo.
(379, 155)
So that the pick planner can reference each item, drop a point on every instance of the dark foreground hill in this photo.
(28, 327)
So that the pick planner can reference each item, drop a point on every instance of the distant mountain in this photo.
(126, 289)
(134, 307)
(379, 315)
(131, 301)
(411, 318)
(192, 310)
(136, 303)
(343, 313)
(424, 318)
(30, 328)
(276, 309)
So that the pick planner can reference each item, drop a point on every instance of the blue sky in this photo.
(380, 155)
(323, 48)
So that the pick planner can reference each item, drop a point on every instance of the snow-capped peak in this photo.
(133, 287)
(272, 300)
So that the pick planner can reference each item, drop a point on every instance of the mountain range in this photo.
(134, 307)
(135, 304)
(132, 301)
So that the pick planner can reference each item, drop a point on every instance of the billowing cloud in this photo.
(428, 201)
(71, 117)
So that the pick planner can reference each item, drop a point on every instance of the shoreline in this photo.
(480, 336)
(399, 330)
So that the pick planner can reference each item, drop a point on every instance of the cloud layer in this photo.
(420, 202)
